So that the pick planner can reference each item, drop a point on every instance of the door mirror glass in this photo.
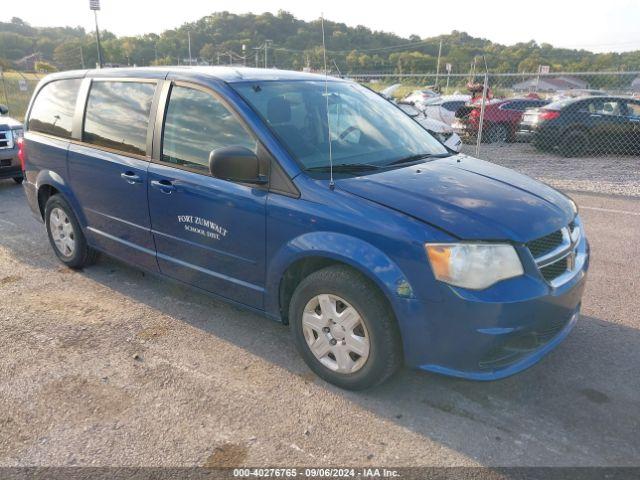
(4, 109)
(236, 164)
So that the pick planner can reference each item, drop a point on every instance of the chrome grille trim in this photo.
(567, 249)
(6, 139)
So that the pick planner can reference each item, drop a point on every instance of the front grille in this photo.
(556, 252)
(553, 271)
(6, 139)
(545, 244)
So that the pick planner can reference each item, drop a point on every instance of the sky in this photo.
(612, 25)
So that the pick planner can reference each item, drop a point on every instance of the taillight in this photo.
(548, 114)
(474, 113)
(21, 154)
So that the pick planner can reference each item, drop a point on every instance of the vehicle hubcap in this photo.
(335, 333)
(62, 232)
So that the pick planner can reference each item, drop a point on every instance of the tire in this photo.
(498, 133)
(574, 144)
(18, 180)
(376, 325)
(63, 231)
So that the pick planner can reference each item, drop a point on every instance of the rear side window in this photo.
(117, 115)
(197, 123)
(52, 111)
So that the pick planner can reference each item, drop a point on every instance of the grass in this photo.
(12, 96)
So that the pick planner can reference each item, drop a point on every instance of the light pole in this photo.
(95, 6)
(266, 48)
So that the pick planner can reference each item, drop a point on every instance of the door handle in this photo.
(130, 177)
(165, 186)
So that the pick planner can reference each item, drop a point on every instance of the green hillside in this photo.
(218, 38)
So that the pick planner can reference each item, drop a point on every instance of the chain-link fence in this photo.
(587, 114)
(16, 89)
(497, 116)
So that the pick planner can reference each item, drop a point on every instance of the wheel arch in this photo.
(313, 251)
(49, 183)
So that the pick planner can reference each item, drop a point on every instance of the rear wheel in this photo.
(575, 144)
(18, 180)
(344, 329)
(65, 234)
(498, 133)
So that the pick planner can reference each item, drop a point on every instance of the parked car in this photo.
(444, 108)
(501, 119)
(315, 202)
(420, 96)
(440, 130)
(581, 126)
(10, 136)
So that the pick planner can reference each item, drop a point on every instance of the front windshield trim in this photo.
(407, 137)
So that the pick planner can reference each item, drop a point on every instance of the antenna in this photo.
(326, 94)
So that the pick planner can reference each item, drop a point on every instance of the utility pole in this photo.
(189, 37)
(95, 6)
(82, 57)
(266, 50)
(244, 54)
(155, 50)
(438, 64)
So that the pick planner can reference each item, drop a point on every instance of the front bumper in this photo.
(492, 334)
(10, 164)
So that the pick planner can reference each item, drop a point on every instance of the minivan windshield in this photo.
(365, 129)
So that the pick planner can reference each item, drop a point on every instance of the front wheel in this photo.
(65, 234)
(344, 328)
(18, 180)
(498, 133)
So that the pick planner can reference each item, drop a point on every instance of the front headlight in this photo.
(474, 266)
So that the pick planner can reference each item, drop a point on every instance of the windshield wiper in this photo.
(345, 168)
(420, 156)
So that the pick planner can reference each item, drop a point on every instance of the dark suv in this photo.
(10, 131)
(579, 126)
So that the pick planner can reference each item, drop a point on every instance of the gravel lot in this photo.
(618, 175)
(109, 366)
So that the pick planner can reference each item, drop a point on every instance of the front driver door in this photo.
(208, 232)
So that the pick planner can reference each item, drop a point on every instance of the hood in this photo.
(468, 198)
(9, 123)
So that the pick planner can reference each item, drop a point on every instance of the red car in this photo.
(501, 118)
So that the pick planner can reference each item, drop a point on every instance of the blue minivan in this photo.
(395, 251)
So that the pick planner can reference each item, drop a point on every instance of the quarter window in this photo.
(117, 115)
(197, 123)
(52, 111)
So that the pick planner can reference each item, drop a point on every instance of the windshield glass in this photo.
(365, 128)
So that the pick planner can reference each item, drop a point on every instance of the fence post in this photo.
(484, 99)
(4, 88)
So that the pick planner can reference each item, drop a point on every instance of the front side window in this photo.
(52, 111)
(363, 127)
(117, 115)
(197, 123)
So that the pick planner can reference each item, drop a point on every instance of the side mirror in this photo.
(237, 164)
(4, 109)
